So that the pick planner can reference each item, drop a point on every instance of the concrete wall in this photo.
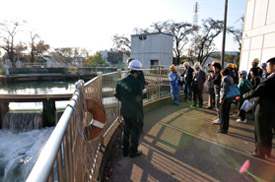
(259, 32)
(157, 46)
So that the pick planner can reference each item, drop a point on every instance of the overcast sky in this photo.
(91, 24)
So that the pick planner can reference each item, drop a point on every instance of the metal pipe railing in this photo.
(67, 151)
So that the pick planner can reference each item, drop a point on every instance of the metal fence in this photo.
(68, 155)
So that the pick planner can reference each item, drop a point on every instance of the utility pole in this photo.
(224, 31)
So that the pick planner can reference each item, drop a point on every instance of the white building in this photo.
(259, 32)
(153, 49)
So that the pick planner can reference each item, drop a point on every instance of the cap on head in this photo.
(213, 62)
(255, 60)
(235, 66)
(135, 65)
(263, 64)
(185, 64)
(229, 65)
(172, 67)
(243, 73)
(197, 65)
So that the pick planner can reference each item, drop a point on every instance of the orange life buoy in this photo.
(95, 107)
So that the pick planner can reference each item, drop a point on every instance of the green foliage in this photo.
(96, 59)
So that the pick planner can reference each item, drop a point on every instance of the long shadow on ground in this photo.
(180, 144)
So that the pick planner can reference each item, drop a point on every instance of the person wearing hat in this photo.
(174, 78)
(264, 113)
(187, 77)
(233, 73)
(244, 87)
(217, 87)
(254, 64)
(198, 80)
(141, 78)
(129, 92)
(265, 74)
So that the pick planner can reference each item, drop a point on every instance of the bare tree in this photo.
(32, 46)
(204, 42)
(122, 43)
(161, 26)
(180, 31)
(10, 29)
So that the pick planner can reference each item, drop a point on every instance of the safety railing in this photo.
(68, 155)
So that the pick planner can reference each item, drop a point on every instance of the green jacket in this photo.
(244, 86)
(129, 92)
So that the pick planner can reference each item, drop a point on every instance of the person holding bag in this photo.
(226, 98)
(244, 86)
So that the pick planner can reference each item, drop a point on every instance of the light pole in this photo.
(142, 38)
(224, 32)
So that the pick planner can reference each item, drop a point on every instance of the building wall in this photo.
(259, 32)
(157, 46)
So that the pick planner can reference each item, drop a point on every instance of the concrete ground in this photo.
(180, 143)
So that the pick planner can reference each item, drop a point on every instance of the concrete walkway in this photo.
(181, 144)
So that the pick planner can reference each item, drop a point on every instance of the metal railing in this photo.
(68, 155)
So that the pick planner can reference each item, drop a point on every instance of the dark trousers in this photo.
(225, 108)
(197, 95)
(187, 92)
(211, 97)
(131, 133)
(242, 112)
(263, 132)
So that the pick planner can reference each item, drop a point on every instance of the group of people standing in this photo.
(259, 83)
(193, 81)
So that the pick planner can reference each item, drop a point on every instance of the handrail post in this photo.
(159, 80)
(119, 75)
(100, 86)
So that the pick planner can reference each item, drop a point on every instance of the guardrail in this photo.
(68, 155)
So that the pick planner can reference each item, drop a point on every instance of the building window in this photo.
(154, 62)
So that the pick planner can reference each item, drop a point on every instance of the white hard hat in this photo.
(135, 65)
(185, 64)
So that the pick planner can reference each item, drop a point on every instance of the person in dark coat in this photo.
(199, 78)
(255, 80)
(264, 113)
(187, 78)
(225, 103)
(129, 92)
(217, 87)
(211, 92)
(141, 78)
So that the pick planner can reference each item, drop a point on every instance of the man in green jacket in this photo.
(129, 92)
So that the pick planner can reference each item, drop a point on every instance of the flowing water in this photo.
(22, 136)
(19, 151)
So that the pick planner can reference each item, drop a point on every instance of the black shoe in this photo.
(210, 107)
(125, 154)
(222, 131)
(138, 153)
(200, 106)
(254, 154)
